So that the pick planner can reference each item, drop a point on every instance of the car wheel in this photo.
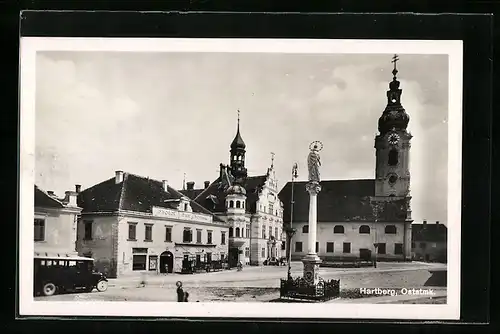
(102, 285)
(49, 289)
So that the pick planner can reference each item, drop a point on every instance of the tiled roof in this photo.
(429, 232)
(191, 193)
(135, 193)
(213, 198)
(42, 199)
(103, 197)
(340, 201)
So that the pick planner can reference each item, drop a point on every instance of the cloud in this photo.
(163, 115)
(75, 121)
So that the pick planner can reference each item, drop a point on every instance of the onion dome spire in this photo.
(238, 141)
(238, 170)
(394, 116)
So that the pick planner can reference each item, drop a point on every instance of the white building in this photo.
(132, 224)
(251, 206)
(55, 223)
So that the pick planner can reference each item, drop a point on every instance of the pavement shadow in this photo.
(437, 279)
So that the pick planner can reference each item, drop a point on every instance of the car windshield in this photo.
(84, 265)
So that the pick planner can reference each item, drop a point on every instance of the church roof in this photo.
(42, 199)
(340, 201)
(135, 193)
(213, 198)
(429, 232)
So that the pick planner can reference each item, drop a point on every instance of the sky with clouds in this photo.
(165, 114)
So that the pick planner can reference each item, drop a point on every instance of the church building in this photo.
(250, 205)
(366, 218)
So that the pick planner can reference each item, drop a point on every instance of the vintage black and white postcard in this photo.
(240, 178)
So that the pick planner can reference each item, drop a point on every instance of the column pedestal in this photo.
(312, 261)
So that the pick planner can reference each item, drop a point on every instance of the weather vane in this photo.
(272, 159)
(395, 59)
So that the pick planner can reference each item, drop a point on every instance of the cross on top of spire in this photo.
(238, 119)
(394, 60)
(272, 159)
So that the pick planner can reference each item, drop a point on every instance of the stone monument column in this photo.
(313, 189)
(312, 261)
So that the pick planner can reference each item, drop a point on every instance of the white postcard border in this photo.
(27, 304)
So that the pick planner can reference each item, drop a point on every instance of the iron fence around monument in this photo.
(299, 288)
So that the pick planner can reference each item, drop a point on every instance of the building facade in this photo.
(429, 242)
(362, 218)
(131, 224)
(250, 204)
(55, 223)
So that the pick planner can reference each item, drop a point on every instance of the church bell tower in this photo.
(392, 145)
(237, 159)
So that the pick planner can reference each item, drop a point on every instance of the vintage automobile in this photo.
(59, 274)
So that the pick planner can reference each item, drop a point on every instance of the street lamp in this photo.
(290, 231)
(375, 244)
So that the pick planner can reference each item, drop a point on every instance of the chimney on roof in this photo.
(165, 185)
(424, 222)
(118, 176)
(50, 192)
(70, 198)
(437, 222)
(221, 169)
(207, 183)
(190, 185)
(78, 188)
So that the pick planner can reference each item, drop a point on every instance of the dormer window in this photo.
(184, 205)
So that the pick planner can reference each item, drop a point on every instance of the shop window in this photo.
(139, 262)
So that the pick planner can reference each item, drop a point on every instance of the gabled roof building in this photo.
(133, 224)
(429, 242)
(55, 223)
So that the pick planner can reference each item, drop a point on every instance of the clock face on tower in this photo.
(393, 139)
(392, 179)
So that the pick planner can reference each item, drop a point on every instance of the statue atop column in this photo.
(314, 161)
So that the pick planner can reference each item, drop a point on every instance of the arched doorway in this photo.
(166, 262)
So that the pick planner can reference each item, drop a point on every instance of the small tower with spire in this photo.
(392, 144)
(237, 159)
